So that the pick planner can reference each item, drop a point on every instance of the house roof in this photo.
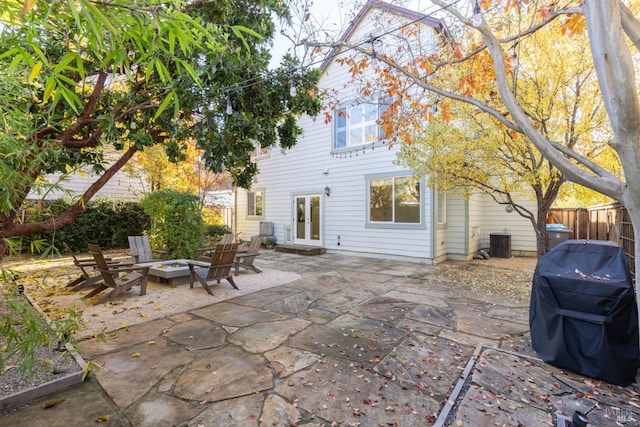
(411, 15)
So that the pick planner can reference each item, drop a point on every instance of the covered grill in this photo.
(583, 314)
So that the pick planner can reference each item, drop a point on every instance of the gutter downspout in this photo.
(466, 229)
(235, 211)
(433, 226)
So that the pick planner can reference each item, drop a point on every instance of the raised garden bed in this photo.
(58, 368)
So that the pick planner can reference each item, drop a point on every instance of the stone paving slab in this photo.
(123, 338)
(223, 373)
(196, 334)
(239, 412)
(386, 309)
(130, 373)
(230, 314)
(263, 337)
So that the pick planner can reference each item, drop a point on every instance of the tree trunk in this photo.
(11, 228)
(634, 215)
(541, 231)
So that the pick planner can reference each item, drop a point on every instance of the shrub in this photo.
(177, 224)
(106, 223)
(23, 330)
(217, 230)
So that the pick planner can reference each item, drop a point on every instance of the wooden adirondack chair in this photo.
(219, 268)
(245, 259)
(204, 254)
(119, 277)
(141, 249)
(88, 276)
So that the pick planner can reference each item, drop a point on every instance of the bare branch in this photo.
(630, 25)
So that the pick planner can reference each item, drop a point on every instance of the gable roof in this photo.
(411, 15)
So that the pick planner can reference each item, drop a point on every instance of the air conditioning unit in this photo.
(266, 228)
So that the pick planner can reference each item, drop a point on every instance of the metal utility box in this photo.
(266, 228)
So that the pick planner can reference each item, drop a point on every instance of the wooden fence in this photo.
(610, 222)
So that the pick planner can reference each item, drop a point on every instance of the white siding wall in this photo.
(121, 187)
(456, 235)
(475, 223)
(300, 171)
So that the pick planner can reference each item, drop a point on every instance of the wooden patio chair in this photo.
(119, 277)
(219, 268)
(88, 274)
(141, 249)
(246, 259)
(204, 254)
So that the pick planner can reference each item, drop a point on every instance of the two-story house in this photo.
(339, 188)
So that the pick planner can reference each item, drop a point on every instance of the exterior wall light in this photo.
(327, 191)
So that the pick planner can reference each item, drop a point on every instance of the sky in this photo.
(326, 12)
(333, 16)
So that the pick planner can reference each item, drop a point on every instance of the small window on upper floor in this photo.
(259, 152)
(358, 124)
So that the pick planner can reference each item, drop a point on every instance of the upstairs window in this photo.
(259, 151)
(357, 125)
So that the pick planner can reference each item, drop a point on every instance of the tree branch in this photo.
(608, 185)
(630, 25)
(68, 217)
(83, 118)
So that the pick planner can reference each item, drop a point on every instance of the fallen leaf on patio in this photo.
(135, 355)
(144, 316)
(103, 418)
(52, 403)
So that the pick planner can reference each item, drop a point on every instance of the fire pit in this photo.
(173, 271)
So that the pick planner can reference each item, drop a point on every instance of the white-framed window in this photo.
(357, 124)
(259, 152)
(394, 200)
(255, 203)
(441, 207)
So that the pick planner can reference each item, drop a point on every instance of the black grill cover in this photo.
(583, 314)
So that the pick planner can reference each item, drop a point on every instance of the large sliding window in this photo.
(394, 200)
(357, 125)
